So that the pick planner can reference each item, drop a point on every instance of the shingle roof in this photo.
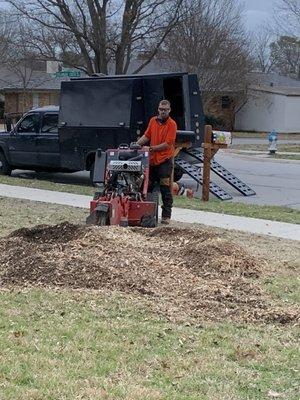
(273, 80)
(35, 80)
(274, 83)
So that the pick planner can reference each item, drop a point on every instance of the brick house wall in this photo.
(222, 109)
(19, 102)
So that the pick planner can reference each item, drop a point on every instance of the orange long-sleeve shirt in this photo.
(159, 133)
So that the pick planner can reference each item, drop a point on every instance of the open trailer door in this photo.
(153, 93)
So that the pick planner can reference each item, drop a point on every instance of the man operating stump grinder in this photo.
(161, 133)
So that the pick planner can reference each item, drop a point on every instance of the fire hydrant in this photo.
(272, 142)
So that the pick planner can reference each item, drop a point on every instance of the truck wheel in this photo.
(5, 168)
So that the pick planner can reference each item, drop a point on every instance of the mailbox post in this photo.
(209, 149)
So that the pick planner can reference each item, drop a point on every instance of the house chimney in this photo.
(53, 66)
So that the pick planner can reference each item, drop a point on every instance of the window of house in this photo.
(30, 124)
(225, 102)
(50, 123)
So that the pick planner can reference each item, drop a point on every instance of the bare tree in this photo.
(19, 64)
(287, 17)
(261, 41)
(95, 32)
(285, 56)
(5, 34)
(211, 42)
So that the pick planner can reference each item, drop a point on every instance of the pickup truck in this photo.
(34, 144)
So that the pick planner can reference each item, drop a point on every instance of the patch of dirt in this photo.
(186, 272)
(50, 234)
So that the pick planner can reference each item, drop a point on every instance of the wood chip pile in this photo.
(187, 273)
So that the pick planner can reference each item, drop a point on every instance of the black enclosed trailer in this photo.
(104, 111)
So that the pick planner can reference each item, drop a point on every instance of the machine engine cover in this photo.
(125, 166)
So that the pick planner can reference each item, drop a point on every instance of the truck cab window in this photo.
(29, 124)
(50, 123)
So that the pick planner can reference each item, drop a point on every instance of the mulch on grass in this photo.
(187, 272)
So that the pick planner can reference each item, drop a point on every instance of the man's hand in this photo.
(159, 147)
(134, 145)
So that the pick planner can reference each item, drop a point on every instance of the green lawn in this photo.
(92, 345)
(264, 135)
(41, 182)
(275, 213)
(288, 148)
(15, 214)
(288, 156)
(68, 345)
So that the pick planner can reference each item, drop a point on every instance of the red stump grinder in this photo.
(123, 175)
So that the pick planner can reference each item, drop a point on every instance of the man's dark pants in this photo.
(161, 174)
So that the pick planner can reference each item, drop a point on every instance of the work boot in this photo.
(165, 221)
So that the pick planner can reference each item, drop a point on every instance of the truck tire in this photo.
(5, 167)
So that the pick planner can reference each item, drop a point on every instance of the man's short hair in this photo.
(165, 103)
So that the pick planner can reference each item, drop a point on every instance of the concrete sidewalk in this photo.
(252, 225)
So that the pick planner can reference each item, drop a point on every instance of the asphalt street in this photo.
(275, 182)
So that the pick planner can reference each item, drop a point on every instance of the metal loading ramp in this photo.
(196, 174)
(218, 169)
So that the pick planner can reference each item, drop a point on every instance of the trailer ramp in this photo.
(195, 173)
(222, 172)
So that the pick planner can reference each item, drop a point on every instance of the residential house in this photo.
(273, 102)
(21, 93)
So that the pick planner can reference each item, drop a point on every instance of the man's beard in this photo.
(161, 118)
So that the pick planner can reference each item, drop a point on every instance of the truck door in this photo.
(22, 141)
(153, 94)
(47, 141)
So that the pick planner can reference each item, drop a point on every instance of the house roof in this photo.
(272, 78)
(274, 83)
(287, 91)
(38, 80)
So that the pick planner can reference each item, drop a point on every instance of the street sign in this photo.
(67, 74)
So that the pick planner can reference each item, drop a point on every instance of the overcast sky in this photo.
(257, 12)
